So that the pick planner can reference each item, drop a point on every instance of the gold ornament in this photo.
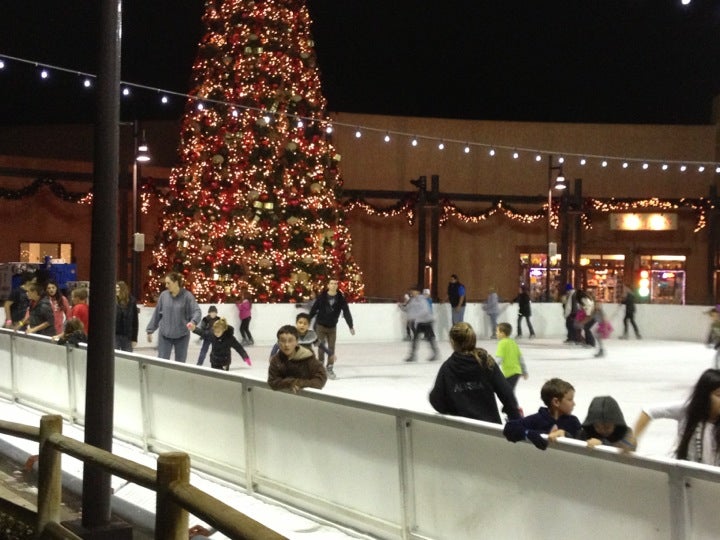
(315, 187)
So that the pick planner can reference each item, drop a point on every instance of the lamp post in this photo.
(141, 155)
(559, 185)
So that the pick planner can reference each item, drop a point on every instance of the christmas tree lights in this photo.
(253, 202)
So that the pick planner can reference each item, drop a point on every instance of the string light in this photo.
(441, 145)
(358, 133)
(698, 166)
(414, 142)
(467, 148)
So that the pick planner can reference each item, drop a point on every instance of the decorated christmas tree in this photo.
(253, 203)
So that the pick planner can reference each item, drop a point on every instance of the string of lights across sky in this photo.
(88, 79)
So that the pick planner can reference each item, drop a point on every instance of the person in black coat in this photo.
(468, 381)
(327, 308)
(222, 340)
(524, 310)
(629, 302)
(126, 318)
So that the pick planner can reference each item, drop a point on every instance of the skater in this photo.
(204, 330)
(629, 302)
(294, 367)
(603, 330)
(176, 315)
(508, 355)
(492, 308)
(697, 417)
(456, 297)
(327, 307)
(418, 311)
(524, 310)
(222, 339)
(245, 312)
(306, 338)
(469, 381)
(605, 425)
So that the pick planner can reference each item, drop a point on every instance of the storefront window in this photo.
(533, 270)
(602, 276)
(667, 275)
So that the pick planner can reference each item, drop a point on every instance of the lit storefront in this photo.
(603, 276)
(666, 276)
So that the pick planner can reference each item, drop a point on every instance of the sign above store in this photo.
(643, 222)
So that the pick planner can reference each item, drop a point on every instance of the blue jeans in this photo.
(203, 351)
(457, 316)
(165, 347)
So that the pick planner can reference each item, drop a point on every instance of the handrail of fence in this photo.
(171, 482)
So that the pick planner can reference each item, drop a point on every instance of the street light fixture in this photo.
(551, 249)
(142, 155)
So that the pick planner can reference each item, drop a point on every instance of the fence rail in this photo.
(175, 495)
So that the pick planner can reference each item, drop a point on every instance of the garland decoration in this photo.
(56, 188)
(151, 187)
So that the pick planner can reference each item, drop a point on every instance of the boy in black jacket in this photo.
(327, 308)
(204, 330)
(555, 419)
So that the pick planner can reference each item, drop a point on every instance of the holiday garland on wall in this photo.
(153, 189)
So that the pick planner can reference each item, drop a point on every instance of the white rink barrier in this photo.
(378, 323)
(389, 472)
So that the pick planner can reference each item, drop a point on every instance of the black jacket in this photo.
(465, 388)
(126, 320)
(221, 347)
(523, 300)
(328, 308)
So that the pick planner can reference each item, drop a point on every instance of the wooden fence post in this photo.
(49, 473)
(171, 520)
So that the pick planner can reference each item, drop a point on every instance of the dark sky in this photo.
(625, 61)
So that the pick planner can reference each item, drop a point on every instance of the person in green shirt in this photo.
(508, 355)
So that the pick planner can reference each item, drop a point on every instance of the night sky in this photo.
(607, 61)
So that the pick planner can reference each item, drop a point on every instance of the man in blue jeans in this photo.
(456, 296)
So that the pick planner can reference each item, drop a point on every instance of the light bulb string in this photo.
(330, 123)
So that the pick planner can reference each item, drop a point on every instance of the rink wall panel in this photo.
(385, 322)
(389, 472)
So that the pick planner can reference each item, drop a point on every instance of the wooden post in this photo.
(171, 520)
(49, 473)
